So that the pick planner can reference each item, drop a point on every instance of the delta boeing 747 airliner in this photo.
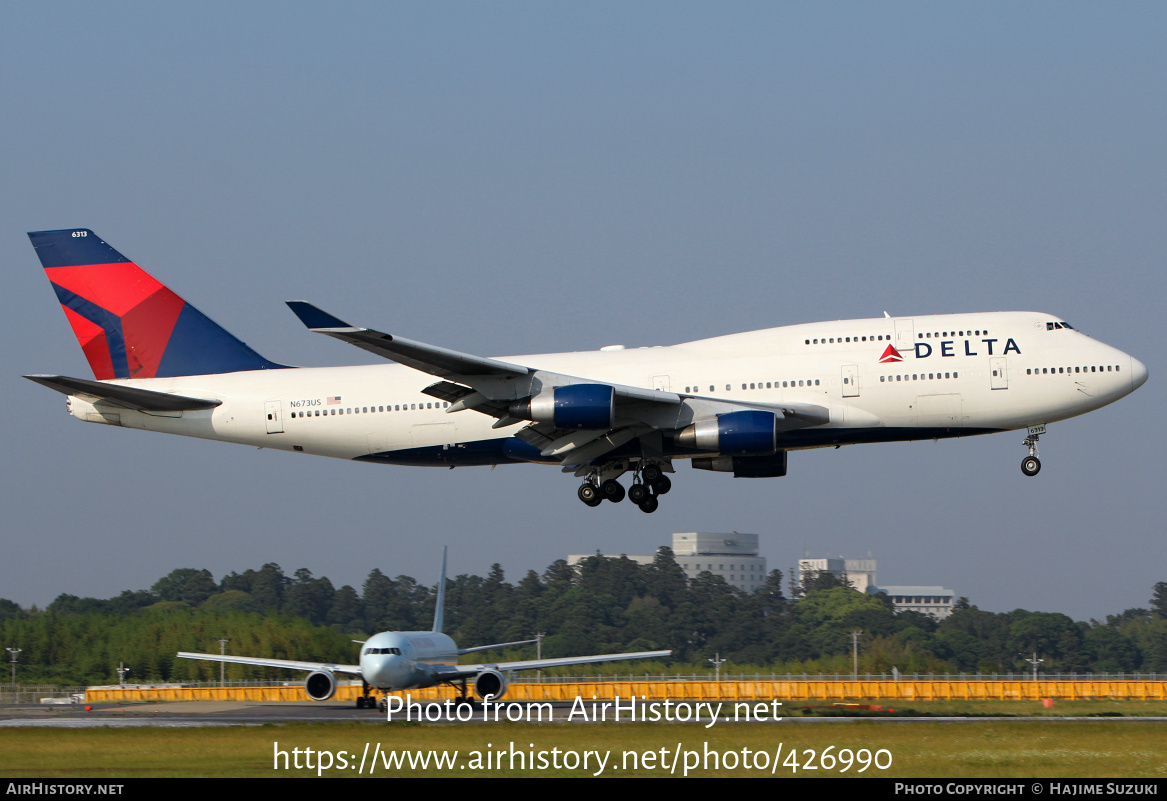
(734, 404)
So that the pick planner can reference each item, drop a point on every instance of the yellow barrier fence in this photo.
(794, 690)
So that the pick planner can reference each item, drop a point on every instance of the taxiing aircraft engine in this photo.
(742, 433)
(576, 406)
(490, 683)
(320, 685)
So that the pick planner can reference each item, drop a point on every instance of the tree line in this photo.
(603, 605)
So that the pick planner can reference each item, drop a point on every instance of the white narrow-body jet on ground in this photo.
(392, 661)
(736, 404)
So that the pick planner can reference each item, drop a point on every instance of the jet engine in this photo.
(320, 685)
(492, 683)
(744, 433)
(574, 406)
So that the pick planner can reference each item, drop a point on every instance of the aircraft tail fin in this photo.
(440, 606)
(128, 323)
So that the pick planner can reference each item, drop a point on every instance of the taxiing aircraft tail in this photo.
(127, 322)
(440, 606)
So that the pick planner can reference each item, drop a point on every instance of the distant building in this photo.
(732, 556)
(860, 573)
(934, 601)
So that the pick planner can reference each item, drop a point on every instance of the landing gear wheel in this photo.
(651, 474)
(649, 505)
(637, 493)
(613, 490)
(589, 494)
(662, 485)
(360, 702)
(1030, 465)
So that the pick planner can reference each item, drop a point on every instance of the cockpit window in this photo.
(1052, 325)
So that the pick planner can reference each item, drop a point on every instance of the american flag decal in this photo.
(333, 400)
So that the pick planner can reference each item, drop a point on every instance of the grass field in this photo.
(964, 749)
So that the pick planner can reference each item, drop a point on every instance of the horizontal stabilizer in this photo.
(146, 400)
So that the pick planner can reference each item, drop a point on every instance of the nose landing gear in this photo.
(1031, 465)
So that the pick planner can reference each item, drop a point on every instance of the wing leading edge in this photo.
(463, 671)
(287, 664)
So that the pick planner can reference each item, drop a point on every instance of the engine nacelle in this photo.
(320, 685)
(733, 434)
(773, 466)
(490, 683)
(575, 406)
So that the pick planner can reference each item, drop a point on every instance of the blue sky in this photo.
(522, 177)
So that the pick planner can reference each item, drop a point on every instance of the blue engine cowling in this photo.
(575, 406)
(742, 433)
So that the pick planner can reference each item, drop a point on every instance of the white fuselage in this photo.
(883, 379)
(405, 660)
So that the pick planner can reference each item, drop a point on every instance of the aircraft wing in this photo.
(288, 664)
(496, 645)
(442, 361)
(426, 358)
(460, 671)
(146, 400)
(490, 386)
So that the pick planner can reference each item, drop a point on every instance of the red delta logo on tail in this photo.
(890, 355)
(127, 322)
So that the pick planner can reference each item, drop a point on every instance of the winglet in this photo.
(439, 607)
(314, 317)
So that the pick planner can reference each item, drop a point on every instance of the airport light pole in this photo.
(855, 653)
(1033, 660)
(122, 671)
(223, 665)
(15, 653)
(717, 663)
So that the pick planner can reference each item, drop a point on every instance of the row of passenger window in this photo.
(887, 337)
(808, 382)
(401, 407)
(833, 340)
(1110, 368)
(918, 376)
(942, 334)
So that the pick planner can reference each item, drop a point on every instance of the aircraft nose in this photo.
(1138, 373)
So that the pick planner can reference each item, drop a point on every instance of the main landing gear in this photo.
(366, 700)
(648, 484)
(1031, 465)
